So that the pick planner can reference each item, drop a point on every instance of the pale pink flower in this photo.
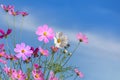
(38, 75)
(45, 34)
(3, 61)
(1, 47)
(19, 75)
(2, 54)
(23, 51)
(7, 8)
(52, 76)
(14, 13)
(9, 71)
(82, 38)
(43, 52)
(80, 74)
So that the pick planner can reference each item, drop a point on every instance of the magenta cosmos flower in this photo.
(82, 38)
(19, 75)
(38, 75)
(23, 51)
(14, 13)
(3, 34)
(52, 76)
(7, 8)
(24, 14)
(43, 52)
(45, 34)
(78, 73)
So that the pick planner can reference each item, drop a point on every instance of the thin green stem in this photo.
(71, 54)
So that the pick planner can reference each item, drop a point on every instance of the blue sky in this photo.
(98, 19)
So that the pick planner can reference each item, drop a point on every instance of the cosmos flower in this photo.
(3, 61)
(36, 66)
(78, 73)
(2, 54)
(82, 38)
(23, 51)
(60, 40)
(54, 49)
(14, 13)
(43, 52)
(38, 75)
(45, 34)
(7, 8)
(24, 14)
(1, 47)
(52, 76)
(19, 75)
(3, 34)
(35, 51)
(9, 71)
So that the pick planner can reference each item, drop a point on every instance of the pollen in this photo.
(45, 33)
(58, 40)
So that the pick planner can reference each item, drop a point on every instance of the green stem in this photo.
(72, 54)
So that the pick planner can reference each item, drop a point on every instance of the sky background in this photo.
(98, 19)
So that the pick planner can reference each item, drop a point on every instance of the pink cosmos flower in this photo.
(43, 52)
(19, 75)
(38, 75)
(14, 13)
(2, 54)
(1, 47)
(36, 66)
(23, 51)
(9, 71)
(45, 34)
(52, 76)
(80, 74)
(7, 8)
(82, 38)
(24, 13)
(2, 61)
(54, 49)
(3, 34)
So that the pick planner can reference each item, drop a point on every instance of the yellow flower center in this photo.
(58, 40)
(18, 76)
(23, 51)
(45, 33)
(37, 75)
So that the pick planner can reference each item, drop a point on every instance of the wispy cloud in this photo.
(96, 41)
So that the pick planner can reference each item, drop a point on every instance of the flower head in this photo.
(52, 76)
(2, 61)
(3, 34)
(2, 54)
(45, 34)
(1, 47)
(36, 66)
(38, 75)
(43, 52)
(14, 13)
(19, 75)
(82, 38)
(7, 8)
(54, 49)
(60, 40)
(80, 74)
(23, 51)
(35, 51)
(24, 14)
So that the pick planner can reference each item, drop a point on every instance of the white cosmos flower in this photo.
(60, 40)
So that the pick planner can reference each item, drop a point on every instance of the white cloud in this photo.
(96, 41)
